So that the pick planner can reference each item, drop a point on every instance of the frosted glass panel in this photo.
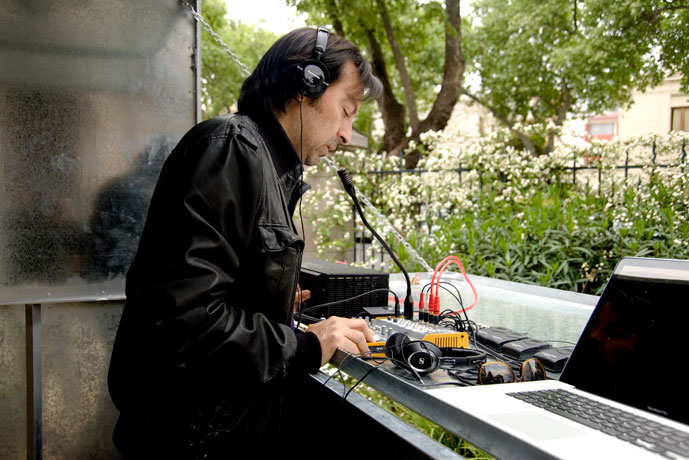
(93, 96)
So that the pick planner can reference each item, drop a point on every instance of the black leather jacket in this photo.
(205, 348)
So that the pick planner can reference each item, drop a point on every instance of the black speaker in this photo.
(314, 76)
(332, 282)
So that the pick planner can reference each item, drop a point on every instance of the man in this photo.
(206, 362)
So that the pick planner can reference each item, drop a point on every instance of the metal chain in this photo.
(216, 37)
(385, 220)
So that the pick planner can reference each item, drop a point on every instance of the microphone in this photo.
(349, 188)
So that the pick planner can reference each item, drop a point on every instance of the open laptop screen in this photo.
(632, 349)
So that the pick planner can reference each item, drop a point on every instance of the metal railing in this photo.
(590, 165)
(578, 165)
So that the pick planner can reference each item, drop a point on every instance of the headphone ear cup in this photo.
(314, 78)
(394, 349)
(422, 356)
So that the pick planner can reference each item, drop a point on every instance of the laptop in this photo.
(630, 361)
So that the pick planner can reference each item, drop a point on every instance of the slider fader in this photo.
(383, 328)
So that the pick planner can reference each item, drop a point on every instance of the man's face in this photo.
(327, 121)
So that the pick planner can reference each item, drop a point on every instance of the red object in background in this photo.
(603, 127)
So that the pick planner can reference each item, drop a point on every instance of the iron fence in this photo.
(578, 166)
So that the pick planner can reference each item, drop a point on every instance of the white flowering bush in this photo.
(560, 220)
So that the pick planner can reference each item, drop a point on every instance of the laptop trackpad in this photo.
(536, 426)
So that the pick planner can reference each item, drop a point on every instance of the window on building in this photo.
(598, 128)
(680, 119)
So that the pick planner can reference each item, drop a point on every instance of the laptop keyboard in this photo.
(643, 432)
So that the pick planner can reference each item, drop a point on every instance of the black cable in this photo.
(459, 299)
(438, 384)
(335, 302)
(344, 398)
(301, 160)
(301, 187)
(463, 377)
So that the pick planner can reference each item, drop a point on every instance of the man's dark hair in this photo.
(276, 78)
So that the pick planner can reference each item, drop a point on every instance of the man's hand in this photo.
(350, 335)
(301, 296)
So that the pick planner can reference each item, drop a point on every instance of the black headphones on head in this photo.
(313, 75)
(422, 357)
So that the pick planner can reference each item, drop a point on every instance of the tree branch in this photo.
(401, 67)
(332, 11)
(453, 72)
(392, 111)
(526, 140)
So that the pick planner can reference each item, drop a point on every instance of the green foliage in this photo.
(525, 219)
(221, 78)
(538, 61)
(657, 26)
(418, 27)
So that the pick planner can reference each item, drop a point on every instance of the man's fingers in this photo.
(360, 325)
(349, 334)
(358, 333)
(358, 338)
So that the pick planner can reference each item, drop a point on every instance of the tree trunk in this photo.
(392, 111)
(401, 67)
(562, 111)
(451, 87)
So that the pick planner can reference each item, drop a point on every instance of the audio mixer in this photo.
(383, 328)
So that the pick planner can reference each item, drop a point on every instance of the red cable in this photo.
(433, 300)
(441, 268)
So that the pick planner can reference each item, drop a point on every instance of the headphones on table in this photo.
(314, 77)
(422, 357)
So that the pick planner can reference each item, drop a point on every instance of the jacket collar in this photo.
(282, 153)
(281, 150)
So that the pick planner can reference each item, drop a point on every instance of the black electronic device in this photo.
(524, 348)
(384, 328)
(418, 356)
(496, 337)
(334, 282)
(554, 359)
(313, 74)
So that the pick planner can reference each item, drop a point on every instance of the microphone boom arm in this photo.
(349, 188)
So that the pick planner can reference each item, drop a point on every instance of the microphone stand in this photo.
(349, 188)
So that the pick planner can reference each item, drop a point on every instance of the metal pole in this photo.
(574, 170)
(34, 394)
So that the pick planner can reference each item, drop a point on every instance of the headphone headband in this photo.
(313, 74)
(460, 357)
(321, 43)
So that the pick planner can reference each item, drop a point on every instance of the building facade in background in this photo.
(658, 110)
